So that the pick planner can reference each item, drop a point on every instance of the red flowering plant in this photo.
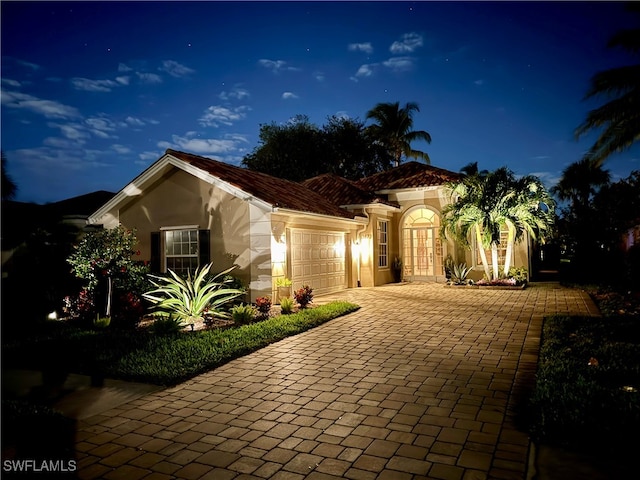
(263, 305)
(304, 296)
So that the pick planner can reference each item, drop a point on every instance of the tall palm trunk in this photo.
(483, 255)
(494, 260)
(509, 253)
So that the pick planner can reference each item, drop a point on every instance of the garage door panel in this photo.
(316, 261)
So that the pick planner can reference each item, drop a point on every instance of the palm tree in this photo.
(393, 129)
(483, 203)
(580, 181)
(620, 116)
(527, 208)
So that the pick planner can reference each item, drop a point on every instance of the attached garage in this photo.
(318, 259)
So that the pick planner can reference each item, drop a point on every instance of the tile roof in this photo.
(341, 191)
(275, 191)
(407, 175)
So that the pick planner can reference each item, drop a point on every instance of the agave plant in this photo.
(188, 298)
(459, 274)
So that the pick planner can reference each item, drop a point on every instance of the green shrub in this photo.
(243, 314)
(102, 322)
(286, 305)
(167, 325)
(283, 282)
(519, 274)
(189, 298)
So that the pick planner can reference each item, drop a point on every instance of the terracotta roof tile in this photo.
(341, 191)
(272, 190)
(407, 175)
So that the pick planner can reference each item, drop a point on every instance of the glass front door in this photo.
(422, 246)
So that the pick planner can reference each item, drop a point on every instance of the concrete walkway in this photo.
(422, 382)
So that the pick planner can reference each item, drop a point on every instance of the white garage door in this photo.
(318, 260)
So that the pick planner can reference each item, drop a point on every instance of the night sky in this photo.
(94, 92)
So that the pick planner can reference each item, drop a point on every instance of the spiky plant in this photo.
(188, 298)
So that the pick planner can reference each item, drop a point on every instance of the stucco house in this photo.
(328, 232)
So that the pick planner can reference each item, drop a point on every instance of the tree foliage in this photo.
(619, 118)
(393, 129)
(104, 260)
(299, 150)
(9, 187)
(483, 203)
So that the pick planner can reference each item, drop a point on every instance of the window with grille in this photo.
(383, 244)
(181, 250)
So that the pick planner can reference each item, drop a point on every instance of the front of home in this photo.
(327, 232)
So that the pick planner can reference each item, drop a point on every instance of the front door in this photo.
(422, 246)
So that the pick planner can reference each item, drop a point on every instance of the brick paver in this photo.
(422, 382)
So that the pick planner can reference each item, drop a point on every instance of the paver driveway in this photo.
(422, 382)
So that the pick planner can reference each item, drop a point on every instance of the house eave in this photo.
(382, 206)
(427, 188)
(358, 220)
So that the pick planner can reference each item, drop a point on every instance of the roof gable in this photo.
(247, 184)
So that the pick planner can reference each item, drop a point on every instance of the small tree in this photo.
(106, 256)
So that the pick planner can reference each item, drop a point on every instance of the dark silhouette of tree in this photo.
(9, 188)
(299, 150)
(619, 117)
(393, 129)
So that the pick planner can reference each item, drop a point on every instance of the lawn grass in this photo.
(158, 359)
(587, 392)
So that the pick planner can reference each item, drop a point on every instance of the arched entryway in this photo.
(422, 250)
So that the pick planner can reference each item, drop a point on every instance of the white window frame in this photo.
(383, 244)
(167, 256)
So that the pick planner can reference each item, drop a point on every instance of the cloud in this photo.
(399, 64)
(11, 83)
(200, 145)
(121, 149)
(134, 122)
(147, 156)
(45, 161)
(73, 131)
(361, 47)
(89, 85)
(175, 69)
(276, 66)
(319, 76)
(289, 96)
(100, 126)
(30, 65)
(217, 115)
(149, 78)
(124, 80)
(479, 82)
(409, 42)
(124, 68)
(366, 70)
(47, 108)
(236, 94)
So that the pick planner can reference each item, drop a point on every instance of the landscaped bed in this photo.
(142, 356)
(587, 394)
